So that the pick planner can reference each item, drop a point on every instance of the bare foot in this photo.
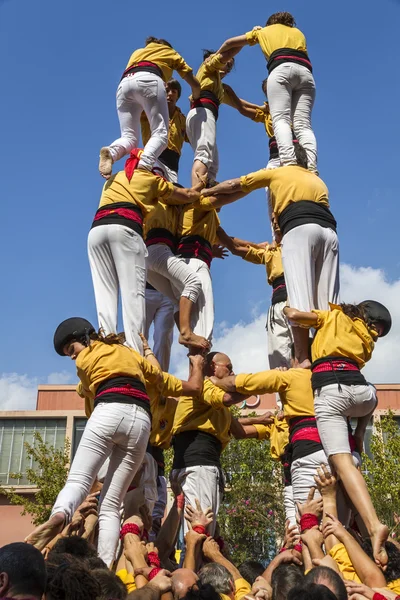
(191, 339)
(378, 539)
(44, 533)
(105, 163)
(305, 364)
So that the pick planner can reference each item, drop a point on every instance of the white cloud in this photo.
(19, 392)
(246, 342)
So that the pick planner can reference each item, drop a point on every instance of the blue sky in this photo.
(60, 66)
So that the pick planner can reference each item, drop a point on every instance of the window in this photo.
(13, 435)
(79, 427)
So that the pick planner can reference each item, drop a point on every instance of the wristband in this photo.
(153, 559)
(201, 530)
(129, 528)
(378, 596)
(298, 547)
(308, 521)
(153, 573)
(180, 501)
(282, 550)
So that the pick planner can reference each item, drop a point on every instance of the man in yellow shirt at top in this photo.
(310, 246)
(176, 133)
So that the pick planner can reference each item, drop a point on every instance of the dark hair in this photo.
(301, 156)
(250, 570)
(26, 569)
(284, 578)
(201, 592)
(111, 585)
(321, 575)
(94, 562)
(281, 18)
(312, 591)
(71, 580)
(154, 40)
(355, 311)
(264, 86)
(111, 338)
(174, 84)
(393, 565)
(75, 546)
(207, 52)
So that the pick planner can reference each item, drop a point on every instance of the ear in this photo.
(4, 584)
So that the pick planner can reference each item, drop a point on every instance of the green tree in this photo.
(383, 470)
(48, 474)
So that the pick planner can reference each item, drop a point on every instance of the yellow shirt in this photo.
(266, 119)
(206, 412)
(210, 78)
(128, 579)
(199, 218)
(278, 435)
(176, 131)
(242, 588)
(338, 335)
(163, 216)
(144, 190)
(294, 387)
(286, 185)
(166, 58)
(277, 36)
(101, 361)
(271, 257)
(163, 408)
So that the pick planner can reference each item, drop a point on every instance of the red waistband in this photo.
(334, 365)
(296, 58)
(307, 433)
(196, 250)
(126, 391)
(127, 213)
(161, 240)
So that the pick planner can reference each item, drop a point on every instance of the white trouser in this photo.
(160, 312)
(117, 261)
(291, 95)
(137, 93)
(332, 407)
(289, 505)
(203, 483)
(170, 174)
(202, 319)
(161, 502)
(303, 471)
(118, 431)
(280, 338)
(148, 481)
(310, 256)
(201, 129)
(170, 275)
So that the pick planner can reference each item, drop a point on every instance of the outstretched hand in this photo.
(312, 506)
(196, 516)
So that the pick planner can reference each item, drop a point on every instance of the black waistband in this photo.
(195, 246)
(337, 374)
(195, 448)
(207, 100)
(284, 55)
(158, 455)
(143, 66)
(305, 212)
(170, 158)
(123, 390)
(120, 213)
(273, 147)
(303, 447)
(279, 291)
(150, 287)
(159, 235)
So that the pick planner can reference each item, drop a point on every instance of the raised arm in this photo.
(235, 42)
(182, 196)
(304, 319)
(194, 84)
(230, 186)
(247, 109)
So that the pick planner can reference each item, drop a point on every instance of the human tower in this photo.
(148, 228)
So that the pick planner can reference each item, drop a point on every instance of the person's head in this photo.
(74, 335)
(392, 571)
(218, 365)
(227, 67)
(312, 591)
(264, 87)
(374, 314)
(22, 571)
(154, 40)
(250, 570)
(72, 580)
(284, 578)
(219, 577)
(202, 592)
(281, 18)
(183, 580)
(325, 576)
(94, 562)
(75, 546)
(111, 585)
(301, 156)
(174, 90)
